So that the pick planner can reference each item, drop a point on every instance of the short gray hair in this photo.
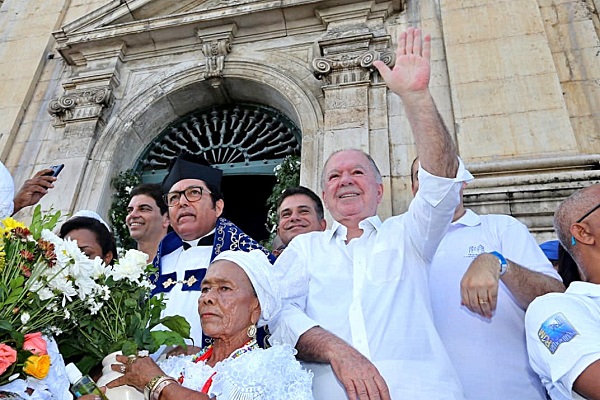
(374, 167)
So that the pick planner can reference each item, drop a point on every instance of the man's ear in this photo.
(219, 206)
(165, 222)
(323, 224)
(582, 233)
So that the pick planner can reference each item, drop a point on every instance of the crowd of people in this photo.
(436, 303)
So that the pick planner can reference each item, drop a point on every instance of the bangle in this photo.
(160, 385)
(503, 262)
(148, 386)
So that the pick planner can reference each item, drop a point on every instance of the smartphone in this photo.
(56, 169)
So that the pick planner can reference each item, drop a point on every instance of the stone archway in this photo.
(165, 98)
(245, 141)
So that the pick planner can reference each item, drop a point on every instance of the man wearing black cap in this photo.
(193, 195)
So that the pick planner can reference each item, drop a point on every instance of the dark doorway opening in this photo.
(245, 199)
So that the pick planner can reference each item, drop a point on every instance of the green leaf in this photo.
(177, 324)
(129, 348)
(167, 338)
(5, 325)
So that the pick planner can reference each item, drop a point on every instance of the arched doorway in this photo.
(246, 141)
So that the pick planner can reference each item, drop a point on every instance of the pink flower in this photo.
(8, 356)
(35, 343)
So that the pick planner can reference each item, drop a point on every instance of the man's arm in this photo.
(479, 286)
(409, 79)
(588, 383)
(358, 375)
(33, 189)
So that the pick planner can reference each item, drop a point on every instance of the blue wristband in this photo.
(503, 262)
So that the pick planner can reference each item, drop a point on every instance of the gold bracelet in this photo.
(150, 385)
(160, 385)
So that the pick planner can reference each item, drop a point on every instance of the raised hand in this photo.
(412, 68)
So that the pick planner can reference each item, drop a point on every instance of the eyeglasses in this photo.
(192, 193)
(587, 214)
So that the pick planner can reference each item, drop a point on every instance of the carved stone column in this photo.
(353, 95)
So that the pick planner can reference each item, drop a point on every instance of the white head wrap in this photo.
(260, 272)
(7, 192)
(90, 214)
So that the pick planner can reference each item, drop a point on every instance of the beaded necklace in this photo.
(207, 351)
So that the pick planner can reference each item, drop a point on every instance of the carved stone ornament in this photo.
(215, 52)
(79, 105)
(349, 69)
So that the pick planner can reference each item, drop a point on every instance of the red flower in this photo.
(27, 255)
(35, 343)
(8, 356)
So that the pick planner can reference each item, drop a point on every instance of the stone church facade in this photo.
(107, 85)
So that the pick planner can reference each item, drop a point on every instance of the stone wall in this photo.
(91, 83)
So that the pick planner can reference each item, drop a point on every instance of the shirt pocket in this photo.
(385, 266)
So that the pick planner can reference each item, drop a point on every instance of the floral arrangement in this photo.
(288, 175)
(48, 286)
(127, 320)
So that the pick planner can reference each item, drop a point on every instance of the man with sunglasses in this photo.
(195, 206)
(563, 329)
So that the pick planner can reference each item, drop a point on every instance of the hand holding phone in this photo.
(55, 170)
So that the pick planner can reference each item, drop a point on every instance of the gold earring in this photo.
(251, 332)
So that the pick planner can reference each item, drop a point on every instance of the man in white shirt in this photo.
(147, 217)
(357, 302)
(563, 329)
(485, 336)
(299, 210)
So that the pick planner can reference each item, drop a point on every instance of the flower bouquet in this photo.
(48, 286)
(127, 318)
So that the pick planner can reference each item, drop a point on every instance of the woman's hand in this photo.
(137, 373)
(92, 396)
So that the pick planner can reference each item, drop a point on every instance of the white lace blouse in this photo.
(270, 374)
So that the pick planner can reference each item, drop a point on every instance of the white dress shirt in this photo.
(563, 336)
(490, 356)
(373, 293)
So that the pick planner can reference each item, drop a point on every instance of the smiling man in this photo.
(193, 195)
(147, 218)
(299, 210)
(356, 300)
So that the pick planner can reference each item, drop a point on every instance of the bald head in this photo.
(573, 209)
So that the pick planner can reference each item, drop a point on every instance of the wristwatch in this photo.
(503, 262)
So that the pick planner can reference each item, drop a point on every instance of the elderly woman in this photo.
(238, 294)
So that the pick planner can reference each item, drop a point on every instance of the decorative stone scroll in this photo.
(216, 44)
(79, 105)
(347, 69)
(215, 52)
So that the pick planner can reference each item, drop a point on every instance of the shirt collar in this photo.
(339, 230)
(194, 243)
(468, 219)
(584, 288)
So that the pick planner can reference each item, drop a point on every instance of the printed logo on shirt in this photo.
(474, 251)
(556, 330)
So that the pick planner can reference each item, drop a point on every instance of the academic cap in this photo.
(190, 166)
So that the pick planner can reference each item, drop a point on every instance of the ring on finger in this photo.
(131, 359)
(122, 368)
(481, 301)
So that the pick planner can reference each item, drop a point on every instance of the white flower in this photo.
(25, 317)
(131, 266)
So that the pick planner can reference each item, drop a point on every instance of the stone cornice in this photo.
(74, 40)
